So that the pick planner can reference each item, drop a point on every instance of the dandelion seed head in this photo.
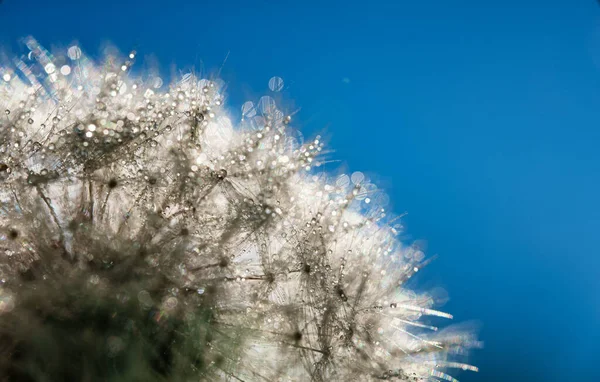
(222, 241)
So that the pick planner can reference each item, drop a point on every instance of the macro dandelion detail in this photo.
(146, 235)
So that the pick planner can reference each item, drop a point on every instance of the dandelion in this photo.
(145, 235)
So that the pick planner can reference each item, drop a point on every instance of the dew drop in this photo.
(112, 183)
(276, 84)
(157, 82)
(74, 52)
(50, 68)
(222, 174)
(4, 171)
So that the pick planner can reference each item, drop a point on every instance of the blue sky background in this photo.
(480, 118)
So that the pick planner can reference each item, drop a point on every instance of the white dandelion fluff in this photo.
(146, 235)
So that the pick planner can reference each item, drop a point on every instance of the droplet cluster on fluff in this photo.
(146, 236)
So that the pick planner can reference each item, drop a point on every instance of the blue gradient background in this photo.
(481, 119)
